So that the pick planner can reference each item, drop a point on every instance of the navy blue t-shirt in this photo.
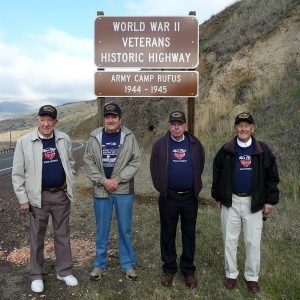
(243, 169)
(53, 174)
(180, 175)
(110, 148)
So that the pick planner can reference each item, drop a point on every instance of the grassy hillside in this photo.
(242, 24)
(273, 98)
(278, 116)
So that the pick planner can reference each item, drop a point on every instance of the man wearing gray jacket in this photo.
(112, 158)
(43, 182)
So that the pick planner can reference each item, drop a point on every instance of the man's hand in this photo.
(25, 207)
(267, 209)
(218, 205)
(111, 184)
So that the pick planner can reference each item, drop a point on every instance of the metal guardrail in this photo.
(7, 150)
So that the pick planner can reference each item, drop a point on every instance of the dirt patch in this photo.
(82, 251)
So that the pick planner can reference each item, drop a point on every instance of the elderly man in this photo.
(43, 181)
(176, 165)
(245, 179)
(112, 158)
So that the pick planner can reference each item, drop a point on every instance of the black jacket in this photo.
(264, 176)
(160, 158)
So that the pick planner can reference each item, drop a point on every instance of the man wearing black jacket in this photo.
(245, 179)
(176, 165)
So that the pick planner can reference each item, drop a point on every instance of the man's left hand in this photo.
(267, 209)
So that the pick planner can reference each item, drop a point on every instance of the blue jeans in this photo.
(103, 212)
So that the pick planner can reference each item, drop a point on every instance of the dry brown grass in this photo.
(245, 22)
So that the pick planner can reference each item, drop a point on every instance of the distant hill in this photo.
(69, 115)
(14, 107)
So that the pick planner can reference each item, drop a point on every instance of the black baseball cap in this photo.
(112, 109)
(177, 116)
(244, 116)
(48, 110)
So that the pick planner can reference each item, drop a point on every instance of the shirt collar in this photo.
(43, 137)
(244, 145)
(178, 141)
(111, 132)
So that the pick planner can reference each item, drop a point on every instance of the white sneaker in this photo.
(69, 280)
(37, 285)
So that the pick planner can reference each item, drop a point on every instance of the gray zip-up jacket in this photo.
(126, 166)
(28, 162)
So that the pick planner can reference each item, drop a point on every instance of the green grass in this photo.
(277, 114)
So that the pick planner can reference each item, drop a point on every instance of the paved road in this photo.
(6, 159)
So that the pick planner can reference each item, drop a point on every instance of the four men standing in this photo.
(245, 179)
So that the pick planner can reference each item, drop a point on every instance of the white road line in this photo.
(6, 169)
(7, 158)
(81, 145)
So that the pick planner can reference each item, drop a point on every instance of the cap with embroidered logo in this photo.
(48, 110)
(177, 116)
(112, 109)
(244, 116)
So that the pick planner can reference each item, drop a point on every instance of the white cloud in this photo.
(204, 9)
(54, 65)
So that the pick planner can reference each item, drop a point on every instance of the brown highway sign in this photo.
(147, 42)
(146, 84)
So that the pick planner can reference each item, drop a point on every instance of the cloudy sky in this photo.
(46, 47)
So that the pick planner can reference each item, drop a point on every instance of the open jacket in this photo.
(264, 176)
(126, 166)
(159, 163)
(28, 163)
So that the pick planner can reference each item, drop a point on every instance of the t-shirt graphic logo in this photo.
(179, 153)
(245, 160)
(49, 153)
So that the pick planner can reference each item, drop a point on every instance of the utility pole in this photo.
(9, 139)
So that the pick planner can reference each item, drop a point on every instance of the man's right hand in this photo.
(25, 207)
(218, 205)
